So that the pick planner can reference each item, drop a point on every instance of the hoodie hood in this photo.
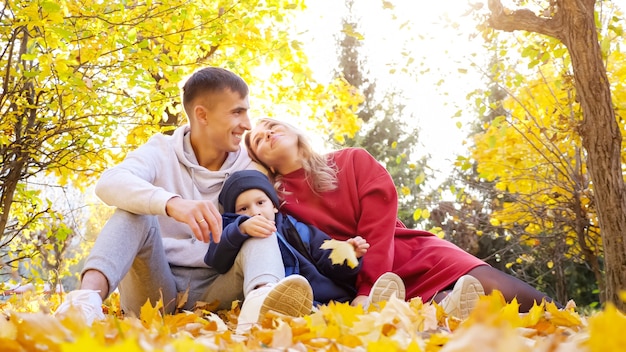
(206, 181)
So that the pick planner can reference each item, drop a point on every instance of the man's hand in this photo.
(360, 245)
(201, 216)
(258, 226)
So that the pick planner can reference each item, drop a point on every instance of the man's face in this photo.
(224, 120)
(255, 202)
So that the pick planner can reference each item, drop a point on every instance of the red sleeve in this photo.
(376, 220)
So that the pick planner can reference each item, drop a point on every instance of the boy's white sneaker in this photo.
(88, 302)
(388, 284)
(290, 296)
(463, 298)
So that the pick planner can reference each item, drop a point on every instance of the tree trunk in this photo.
(602, 139)
(582, 227)
(573, 23)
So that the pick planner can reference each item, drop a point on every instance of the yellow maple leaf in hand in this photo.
(341, 251)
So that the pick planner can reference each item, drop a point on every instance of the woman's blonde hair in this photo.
(320, 171)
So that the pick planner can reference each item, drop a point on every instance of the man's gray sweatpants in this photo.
(129, 252)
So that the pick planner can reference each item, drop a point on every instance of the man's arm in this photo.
(131, 186)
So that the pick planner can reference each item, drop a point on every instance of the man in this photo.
(166, 195)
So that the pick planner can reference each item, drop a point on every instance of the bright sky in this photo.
(426, 37)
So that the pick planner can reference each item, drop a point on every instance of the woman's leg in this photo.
(510, 286)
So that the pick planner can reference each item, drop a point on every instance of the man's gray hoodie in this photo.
(155, 172)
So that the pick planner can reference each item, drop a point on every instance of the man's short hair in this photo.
(211, 80)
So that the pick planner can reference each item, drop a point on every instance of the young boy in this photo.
(251, 210)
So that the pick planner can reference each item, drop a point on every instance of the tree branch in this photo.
(526, 20)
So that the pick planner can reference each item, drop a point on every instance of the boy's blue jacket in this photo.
(300, 249)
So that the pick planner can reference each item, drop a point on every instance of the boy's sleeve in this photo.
(221, 256)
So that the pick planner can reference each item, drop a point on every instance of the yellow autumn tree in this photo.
(83, 82)
(535, 155)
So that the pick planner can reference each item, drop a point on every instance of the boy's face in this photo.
(255, 202)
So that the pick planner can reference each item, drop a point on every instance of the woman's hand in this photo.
(360, 245)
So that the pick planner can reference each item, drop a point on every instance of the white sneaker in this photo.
(463, 298)
(388, 284)
(88, 302)
(291, 296)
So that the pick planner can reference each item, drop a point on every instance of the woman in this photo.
(348, 193)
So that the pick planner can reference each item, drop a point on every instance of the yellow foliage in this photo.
(535, 154)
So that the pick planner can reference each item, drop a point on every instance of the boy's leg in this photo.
(258, 274)
(258, 263)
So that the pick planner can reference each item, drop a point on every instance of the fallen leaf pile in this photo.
(26, 324)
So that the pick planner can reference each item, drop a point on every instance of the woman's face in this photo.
(274, 144)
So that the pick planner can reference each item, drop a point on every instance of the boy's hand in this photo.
(360, 245)
(258, 226)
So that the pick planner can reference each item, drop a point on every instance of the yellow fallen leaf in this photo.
(8, 330)
(283, 336)
(149, 314)
(86, 342)
(533, 316)
(10, 345)
(342, 314)
(606, 330)
(481, 337)
(341, 252)
(182, 320)
(563, 317)
(8, 335)
(39, 331)
(382, 345)
(510, 313)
